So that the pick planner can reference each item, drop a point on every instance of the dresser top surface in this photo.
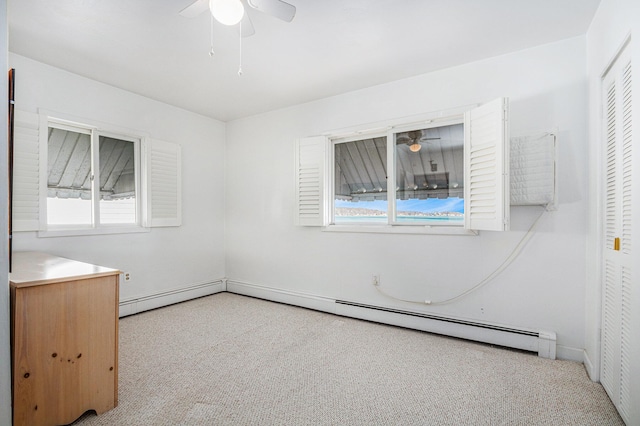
(34, 268)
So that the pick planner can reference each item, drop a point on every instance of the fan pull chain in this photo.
(240, 66)
(211, 52)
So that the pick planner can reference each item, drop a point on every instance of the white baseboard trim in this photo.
(570, 354)
(592, 371)
(169, 297)
(304, 300)
(543, 343)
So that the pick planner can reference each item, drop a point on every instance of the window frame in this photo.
(137, 148)
(391, 168)
(392, 225)
(95, 130)
(332, 157)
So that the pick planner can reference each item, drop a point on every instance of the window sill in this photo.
(401, 229)
(78, 232)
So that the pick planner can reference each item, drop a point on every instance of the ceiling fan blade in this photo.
(195, 9)
(276, 8)
(246, 27)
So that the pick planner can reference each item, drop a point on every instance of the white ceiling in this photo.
(331, 47)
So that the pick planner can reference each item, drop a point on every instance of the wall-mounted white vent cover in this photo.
(533, 170)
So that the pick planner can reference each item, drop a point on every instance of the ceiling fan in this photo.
(413, 139)
(230, 12)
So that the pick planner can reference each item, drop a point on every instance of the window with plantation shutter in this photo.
(73, 178)
(440, 174)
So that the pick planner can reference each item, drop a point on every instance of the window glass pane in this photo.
(68, 177)
(429, 176)
(117, 181)
(360, 181)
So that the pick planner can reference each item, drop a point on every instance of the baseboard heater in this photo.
(541, 342)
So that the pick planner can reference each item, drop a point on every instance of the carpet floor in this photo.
(233, 360)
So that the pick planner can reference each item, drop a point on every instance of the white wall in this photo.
(543, 289)
(5, 354)
(165, 258)
(613, 22)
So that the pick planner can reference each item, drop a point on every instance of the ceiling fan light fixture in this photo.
(415, 147)
(227, 12)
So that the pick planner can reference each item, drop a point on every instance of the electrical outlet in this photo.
(376, 280)
(127, 276)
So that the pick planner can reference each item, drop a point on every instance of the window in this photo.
(449, 172)
(429, 171)
(360, 181)
(136, 185)
(427, 174)
(92, 178)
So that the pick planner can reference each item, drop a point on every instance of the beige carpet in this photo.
(228, 359)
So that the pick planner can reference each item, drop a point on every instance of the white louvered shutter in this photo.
(310, 184)
(619, 371)
(162, 182)
(486, 150)
(26, 172)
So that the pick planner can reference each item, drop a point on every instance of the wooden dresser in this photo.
(64, 339)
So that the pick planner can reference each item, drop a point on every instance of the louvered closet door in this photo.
(617, 306)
